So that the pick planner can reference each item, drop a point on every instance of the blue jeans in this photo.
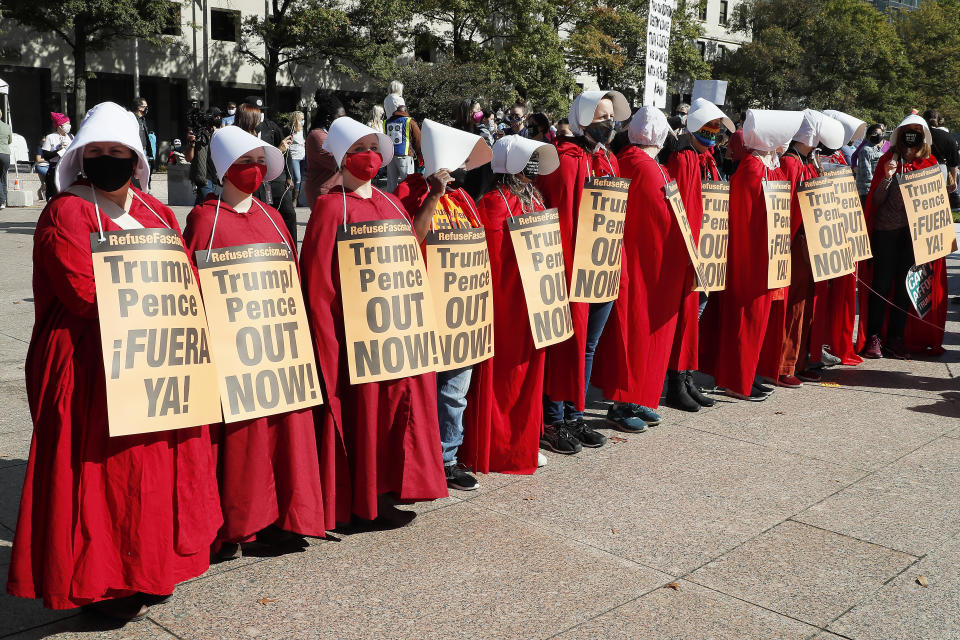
(299, 170)
(557, 410)
(452, 387)
(205, 190)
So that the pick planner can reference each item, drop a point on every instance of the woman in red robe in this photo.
(635, 348)
(734, 323)
(690, 164)
(378, 441)
(895, 329)
(268, 471)
(568, 364)
(504, 415)
(103, 520)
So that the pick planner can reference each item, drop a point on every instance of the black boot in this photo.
(694, 391)
(677, 395)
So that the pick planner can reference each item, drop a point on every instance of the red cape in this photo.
(734, 322)
(919, 335)
(378, 437)
(268, 468)
(564, 364)
(504, 414)
(635, 347)
(689, 168)
(100, 517)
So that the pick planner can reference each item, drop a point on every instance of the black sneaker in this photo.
(762, 388)
(556, 438)
(587, 436)
(459, 479)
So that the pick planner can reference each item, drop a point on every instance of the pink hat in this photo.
(58, 118)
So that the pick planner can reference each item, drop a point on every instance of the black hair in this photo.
(874, 128)
(515, 185)
(462, 113)
(328, 106)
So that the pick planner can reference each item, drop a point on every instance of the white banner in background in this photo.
(658, 51)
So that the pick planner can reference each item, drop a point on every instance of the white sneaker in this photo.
(541, 460)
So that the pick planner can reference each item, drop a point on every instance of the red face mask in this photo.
(363, 165)
(246, 177)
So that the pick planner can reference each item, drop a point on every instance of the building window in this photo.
(225, 25)
(171, 26)
(702, 48)
(723, 11)
(703, 10)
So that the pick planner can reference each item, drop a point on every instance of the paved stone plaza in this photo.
(816, 514)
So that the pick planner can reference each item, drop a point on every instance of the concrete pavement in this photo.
(811, 515)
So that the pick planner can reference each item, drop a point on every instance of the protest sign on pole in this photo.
(776, 196)
(659, 17)
(259, 331)
(599, 247)
(153, 332)
(714, 234)
(459, 269)
(928, 214)
(920, 288)
(672, 193)
(831, 254)
(537, 241)
(851, 209)
(388, 316)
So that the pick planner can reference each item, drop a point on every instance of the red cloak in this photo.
(504, 414)
(100, 517)
(378, 437)
(268, 467)
(734, 323)
(635, 347)
(920, 335)
(564, 364)
(689, 168)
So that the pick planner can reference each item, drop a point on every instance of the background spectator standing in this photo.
(945, 150)
(140, 109)
(476, 180)
(53, 148)
(6, 137)
(867, 157)
(517, 121)
(405, 134)
(279, 192)
(298, 153)
(322, 172)
(231, 114)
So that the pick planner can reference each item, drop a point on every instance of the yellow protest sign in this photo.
(672, 193)
(831, 254)
(928, 213)
(599, 247)
(714, 234)
(459, 269)
(388, 316)
(539, 247)
(153, 332)
(851, 210)
(259, 332)
(776, 196)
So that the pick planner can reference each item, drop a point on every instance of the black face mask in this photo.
(459, 176)
(601, 132)
(875, 138)
(912, 138)
(532, 169)
(108, 173)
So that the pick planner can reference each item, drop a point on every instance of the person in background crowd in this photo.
(375, 118)
(944, 149)
(40, 165)
(395, 87)
(691, 163)
(635, 349)
(6, 139)
(140, 109)
(231, 114)
(435, 201)
(884, 326)
(267, 468)
(735, 320)
(538, 128)
(379, 441)
(867, 157)
(298, 153)
(176, 153)
(505, 409)
(490, 123)
(53, 147)
(569, 364)
(475, 180)
(516, 121)
(735, 150)
(405, 134)
(322, 173)
(563, 130)
(113, 523)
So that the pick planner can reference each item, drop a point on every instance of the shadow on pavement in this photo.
(24, 228)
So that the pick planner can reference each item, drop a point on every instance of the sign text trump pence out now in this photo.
(259, 332)
(538, 243)
(831, 253)
(388, 316)
(153, 330)
(599, 247)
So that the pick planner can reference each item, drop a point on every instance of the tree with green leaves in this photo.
(931, 39)
(685, 63)
(88, 26)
